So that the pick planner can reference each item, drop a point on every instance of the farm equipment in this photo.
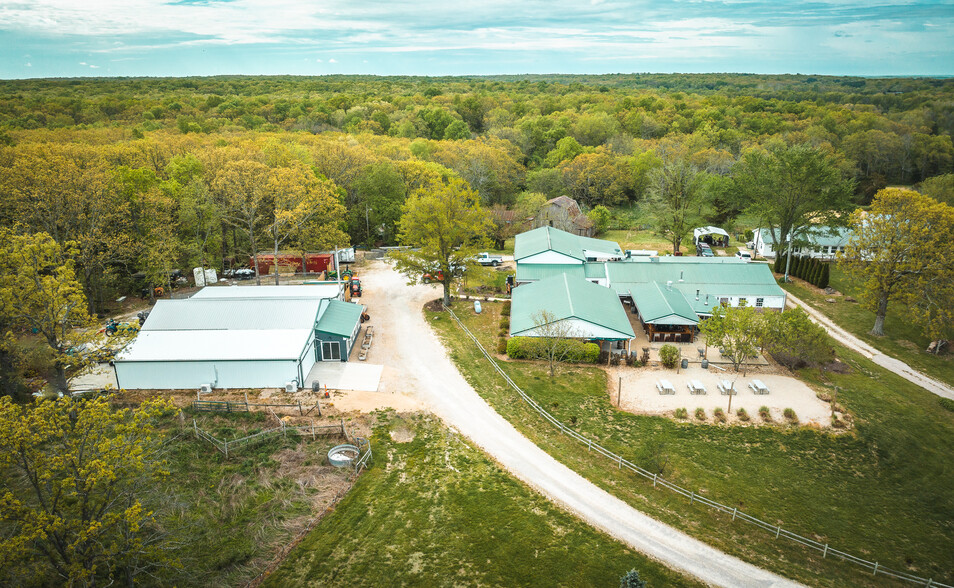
(355, 285)
(113, 327)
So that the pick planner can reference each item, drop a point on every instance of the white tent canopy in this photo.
(710, 230)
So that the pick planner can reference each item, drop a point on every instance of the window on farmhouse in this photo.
(759, 302)
(742, 302)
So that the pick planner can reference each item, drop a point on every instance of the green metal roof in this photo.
(532, 272)
(549, 239)
(712, 280)
(817, 236)
(568, 297)
(339, 318)
(660, 305)
(600, 245)
(546, 239)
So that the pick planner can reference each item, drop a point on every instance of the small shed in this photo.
(711, 236)
(337, 329)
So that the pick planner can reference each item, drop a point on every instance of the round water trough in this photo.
(343, 455)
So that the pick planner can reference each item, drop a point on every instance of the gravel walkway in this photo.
(417, 365)
(854, 343)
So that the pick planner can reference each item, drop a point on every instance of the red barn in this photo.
(315, 262)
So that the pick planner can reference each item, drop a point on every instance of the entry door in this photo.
(330, 351)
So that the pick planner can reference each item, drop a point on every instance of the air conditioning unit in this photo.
(205, 388)
(291, 387)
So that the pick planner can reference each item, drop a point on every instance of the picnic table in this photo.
(759, 387)
(665, 387)
(726, 387)
(696, 387)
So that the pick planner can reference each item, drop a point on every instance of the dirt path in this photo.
(855, 344)
(418, 366)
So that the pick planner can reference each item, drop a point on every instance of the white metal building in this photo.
(234, 337)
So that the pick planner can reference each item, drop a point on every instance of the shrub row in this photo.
(576, 352)
(813, 271)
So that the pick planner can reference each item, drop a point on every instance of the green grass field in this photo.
(434, 511)
(884, 492)
(903, 339)
(234, 515)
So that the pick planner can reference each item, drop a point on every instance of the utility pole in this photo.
(367, 223)
(619, 391)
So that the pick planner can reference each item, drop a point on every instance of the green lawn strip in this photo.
(486, 281)
(236, 514)
(435, 511)
(883, 492)
(903, 338)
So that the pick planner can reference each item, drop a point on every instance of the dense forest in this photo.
(145, 176)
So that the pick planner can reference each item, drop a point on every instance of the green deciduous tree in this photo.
(79, 489)
(794, 340)
(900, 250)
(446, 224)
(39, 292)
(791, 188)
(736, 331)
(299, 199)
(676, 197)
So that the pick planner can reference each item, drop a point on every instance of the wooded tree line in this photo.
(140, 177)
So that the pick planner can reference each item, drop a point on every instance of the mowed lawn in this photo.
(902, 339)
(884, 491)
(434, 511)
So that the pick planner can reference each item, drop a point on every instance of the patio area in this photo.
(641, 395)
(695, 352)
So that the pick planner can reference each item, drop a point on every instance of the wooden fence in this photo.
(658, 482)
(230, 446)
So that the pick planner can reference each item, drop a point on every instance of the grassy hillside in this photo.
(883, 491)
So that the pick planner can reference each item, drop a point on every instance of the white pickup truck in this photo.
(488, 259)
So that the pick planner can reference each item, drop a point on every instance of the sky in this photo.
(71, 38)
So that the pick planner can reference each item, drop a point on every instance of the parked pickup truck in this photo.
(488, 259)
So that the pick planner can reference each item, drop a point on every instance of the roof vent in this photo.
(707, 300)
(697, 295)
(669, 285)
(680, 275)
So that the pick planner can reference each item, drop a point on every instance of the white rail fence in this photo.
(826, 550)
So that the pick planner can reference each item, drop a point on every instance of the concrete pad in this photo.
(98, 377)
(346, 376)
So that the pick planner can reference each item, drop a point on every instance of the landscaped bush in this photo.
(519, 347)
(577, 352)
(669, 356)
(701, 414)
(505, 322)
(947, 403)
(681, 413)
(790, 415)
(743, 416)
(766, 414)
(502, 345)
(505, 310)
(719, 415)
(591, 352)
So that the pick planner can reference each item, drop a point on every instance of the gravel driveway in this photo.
(854, 343)
(417, 365)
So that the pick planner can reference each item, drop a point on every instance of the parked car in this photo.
(488, 259)
(704, 250)
(744, 256)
